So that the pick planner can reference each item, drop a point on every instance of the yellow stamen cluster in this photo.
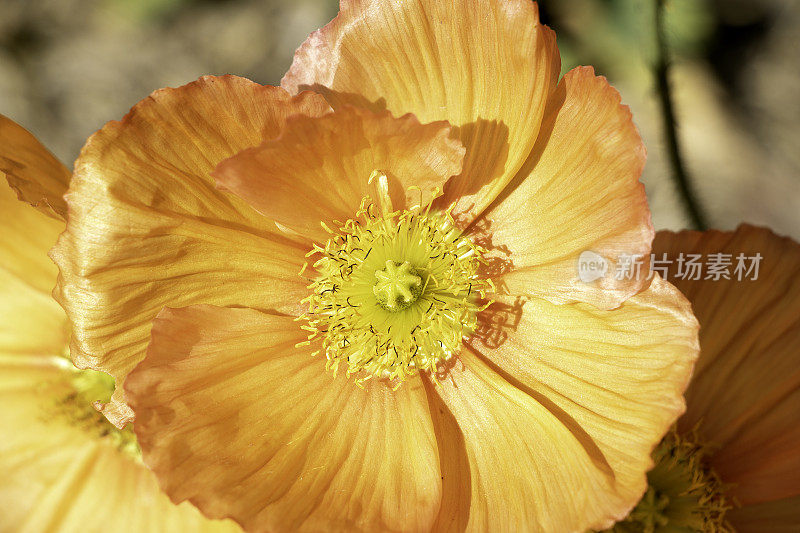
(683, 494)
(397, 292)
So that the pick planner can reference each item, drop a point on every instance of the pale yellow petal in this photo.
(578, 192)
(561, 406)
(148, 227)
(231, 416)
(487, 67)
(745, 397)
(319, 169)
(31, 170)
(59, 479)
(31, 322)
(56, 476)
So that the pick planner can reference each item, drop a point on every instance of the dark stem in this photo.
(679, 173)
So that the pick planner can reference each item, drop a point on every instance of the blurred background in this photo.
(69, 66)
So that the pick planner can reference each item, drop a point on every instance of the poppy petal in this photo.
(31, 170)
(400, 56)
(318, 170)
(233, 417)
(581, 192)
(27, 277)
(779, 516)
(561, 410)
(59, 477)
(148, 227)
(745, 397)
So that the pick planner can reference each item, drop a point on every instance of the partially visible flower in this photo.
(64, 466)
(289, 242)
(733, 463)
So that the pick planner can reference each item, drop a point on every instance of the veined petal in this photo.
(233, 417)
(148, 227)
(32, 322)
(319, 168)
(58, 478)
(579, 191)
(560, 412)
(745, 397)
(400, 56)
(31, 170)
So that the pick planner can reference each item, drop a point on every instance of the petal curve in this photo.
(561, 412)
(579, 191)
(32, 171)
(148, 228)
(233, 417)
(399, 56)
(318, 169)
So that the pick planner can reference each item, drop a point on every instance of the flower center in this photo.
(85, 388)
(397, 291)
(398, 286)
(683, 494)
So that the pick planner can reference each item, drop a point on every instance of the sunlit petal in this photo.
(148, 227)
(31, 170)
(485, 67)
(319, 169)
(579, 191)
(564, 407)
(31, 322)
(233, 417)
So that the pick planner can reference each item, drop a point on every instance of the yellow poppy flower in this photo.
(733, 463)
(65, 468)
(273, 228)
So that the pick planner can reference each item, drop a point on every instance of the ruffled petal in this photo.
(561, 407)
(148, 227)
(745, 397)
(57, 477)
(486, 67)
(580, 192)
(231, 416)
(32, 322)
(319, 168)
(31, 170)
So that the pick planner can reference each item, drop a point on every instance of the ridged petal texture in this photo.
(319, 169)
(233, 417)
(56, 476)
(485, 67)
(148, 227)
(564, 413)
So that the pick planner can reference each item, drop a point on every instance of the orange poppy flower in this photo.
(65, 468)
(733, 463)
(329, 358)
